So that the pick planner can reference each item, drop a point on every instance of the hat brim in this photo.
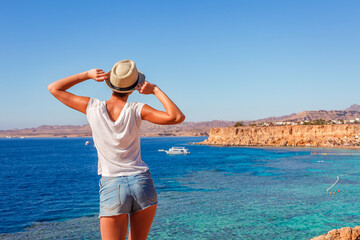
(140, 80)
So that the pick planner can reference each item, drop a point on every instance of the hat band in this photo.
(125, 89)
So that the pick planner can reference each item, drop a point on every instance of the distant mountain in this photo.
(350, 113)
(49, 131)
(275, 119)
(354, 107)
(147, 129)
(326, 115)
(187, 128)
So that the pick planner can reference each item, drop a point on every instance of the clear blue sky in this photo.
(217, 60)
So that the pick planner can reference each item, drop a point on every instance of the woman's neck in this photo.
(115, 98)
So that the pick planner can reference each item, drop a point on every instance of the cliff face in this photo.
(298, 135)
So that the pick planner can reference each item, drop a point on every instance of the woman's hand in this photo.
(97, 74)
(146, 88)
(172, 114)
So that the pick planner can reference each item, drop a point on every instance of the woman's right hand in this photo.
(146, 88)
(97, 74)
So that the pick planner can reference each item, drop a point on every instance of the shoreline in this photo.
(276, 146)
(195, 143)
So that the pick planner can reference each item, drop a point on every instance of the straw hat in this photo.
(124, 77)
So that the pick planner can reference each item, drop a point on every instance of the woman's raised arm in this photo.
(172, 114)
(58, 88)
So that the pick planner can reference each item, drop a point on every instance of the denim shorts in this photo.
(126, 194)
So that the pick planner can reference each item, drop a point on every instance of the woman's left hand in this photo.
(97, 74)
(146, 88)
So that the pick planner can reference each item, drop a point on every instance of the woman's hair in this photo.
(122, 95)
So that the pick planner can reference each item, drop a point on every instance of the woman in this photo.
(126, 187)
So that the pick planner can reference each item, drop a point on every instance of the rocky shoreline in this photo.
(345, 233)
(328, 136)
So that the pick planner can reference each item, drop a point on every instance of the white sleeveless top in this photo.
(117, 143)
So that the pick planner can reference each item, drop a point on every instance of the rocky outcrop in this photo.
(299, 135)
(346, 233)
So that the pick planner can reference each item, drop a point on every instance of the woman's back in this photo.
(117, 142)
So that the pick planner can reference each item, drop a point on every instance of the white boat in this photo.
(177, 151)
(87, 143)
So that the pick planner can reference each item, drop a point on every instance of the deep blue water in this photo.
(213, 193)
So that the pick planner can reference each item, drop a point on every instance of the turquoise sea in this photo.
(49, 190)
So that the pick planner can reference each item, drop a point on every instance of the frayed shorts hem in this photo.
(113, 215)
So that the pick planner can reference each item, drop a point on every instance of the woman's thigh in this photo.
(140, 223)
(114, 227)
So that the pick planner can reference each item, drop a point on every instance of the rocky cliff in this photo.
(298, 135)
